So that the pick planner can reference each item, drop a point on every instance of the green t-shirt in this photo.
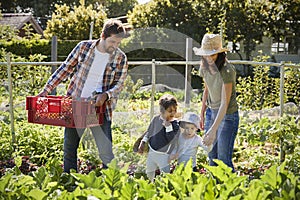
(214, 82)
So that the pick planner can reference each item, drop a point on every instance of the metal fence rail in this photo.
(241, 62)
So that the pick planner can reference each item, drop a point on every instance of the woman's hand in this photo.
(209, 137)
(201, 123)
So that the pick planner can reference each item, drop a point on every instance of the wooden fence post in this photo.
(53, 57)
(281, 88)
(153, 89)
(11, 106)
(188, 72)
(282, 151)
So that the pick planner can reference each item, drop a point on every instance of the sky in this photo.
(143, 1)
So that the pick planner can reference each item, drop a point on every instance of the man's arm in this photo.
(119, 78)
(64, 70)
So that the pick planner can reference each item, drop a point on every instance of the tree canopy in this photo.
(75, 24)
(237, 21)
(43, 9)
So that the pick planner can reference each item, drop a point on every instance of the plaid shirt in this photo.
(77, 66)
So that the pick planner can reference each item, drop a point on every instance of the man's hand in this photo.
(101, 98)
(43, 94)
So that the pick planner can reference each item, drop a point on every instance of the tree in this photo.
(116, 8)
(243, 23)
(6, 32)
(171, 14)
(40, 9)
(68, 24)
(43, 9)
(238, 21)
(282, 19)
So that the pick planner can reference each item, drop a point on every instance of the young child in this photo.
(188, 140)
(162, 137)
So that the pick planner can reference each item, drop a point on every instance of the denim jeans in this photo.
(103, 138)
(226, 134)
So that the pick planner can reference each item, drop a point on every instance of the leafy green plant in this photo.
(37, 141)
(284, 132)
(130, 88)
(291, 83)
(277, 139)
(26, 80)
(73, 23)
(259, 91)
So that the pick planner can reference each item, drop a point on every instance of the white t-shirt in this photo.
(94, 79)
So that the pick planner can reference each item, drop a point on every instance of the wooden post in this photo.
(11, 106)
(282, 151)
(281, 88)
(153, 90)
(188, 73)
(91, 30)
(53, 58)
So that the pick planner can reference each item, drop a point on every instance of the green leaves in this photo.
(146, 190)
(219, 183)
(37, 194)
(257, 191)
(41, 177)
(4, 182)
(277, 182)
(88, 181)
(75, 24)
(129, 190)
(230, 183)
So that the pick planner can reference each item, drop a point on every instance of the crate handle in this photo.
(54, 105)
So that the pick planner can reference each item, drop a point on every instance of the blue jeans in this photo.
(226, 134)
(103, 138)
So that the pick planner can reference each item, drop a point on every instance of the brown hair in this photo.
(219, 62)
(167, 101)
(114, 27)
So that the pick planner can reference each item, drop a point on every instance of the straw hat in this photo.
(211, 44)
(192, 118)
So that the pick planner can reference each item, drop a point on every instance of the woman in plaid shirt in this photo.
(97, 68)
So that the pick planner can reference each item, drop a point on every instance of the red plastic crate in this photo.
(64, 111)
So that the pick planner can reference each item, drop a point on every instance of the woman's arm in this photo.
(203, 107)
(210, 136)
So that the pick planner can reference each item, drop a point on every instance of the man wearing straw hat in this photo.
(219, 104)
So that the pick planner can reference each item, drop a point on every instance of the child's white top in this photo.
(188, 148)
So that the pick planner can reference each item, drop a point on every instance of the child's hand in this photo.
(173, 157)
(141, 147)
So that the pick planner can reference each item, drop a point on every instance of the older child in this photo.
(162, 135)
(189, 141)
